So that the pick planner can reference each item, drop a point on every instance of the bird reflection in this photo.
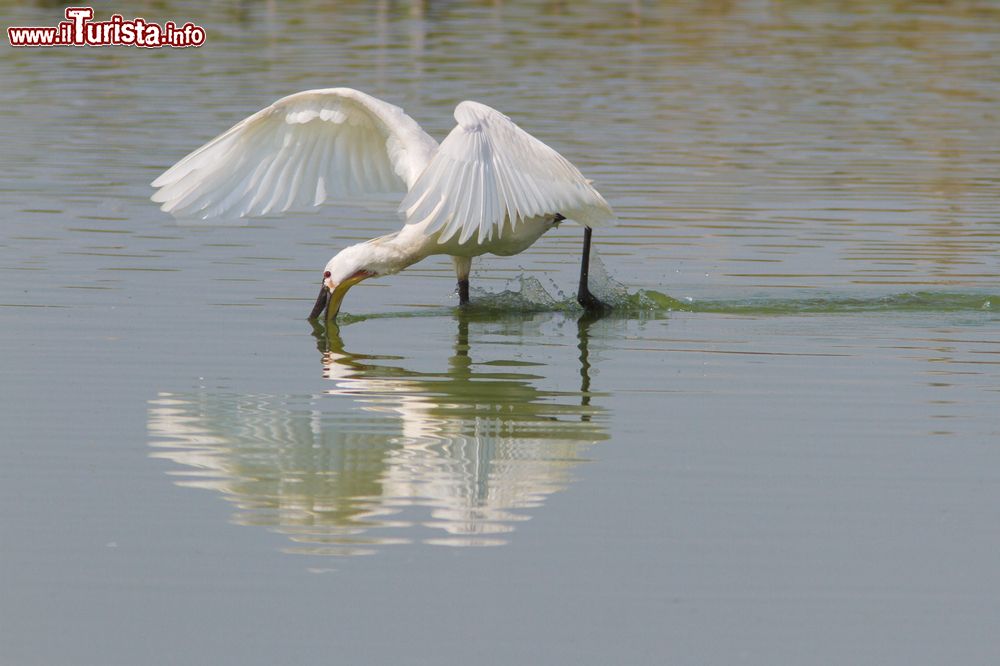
(386, 454)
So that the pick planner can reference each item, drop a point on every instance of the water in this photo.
(781, 448)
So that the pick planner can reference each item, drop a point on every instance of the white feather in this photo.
(489, 170)
(489, 187)
(271, 161)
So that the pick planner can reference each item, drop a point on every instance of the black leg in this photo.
(587, 300)
(462, 267)
(321, 301)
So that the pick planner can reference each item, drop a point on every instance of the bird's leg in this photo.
(321, 302)
(463, 265)
(587, 300)
(463, 292)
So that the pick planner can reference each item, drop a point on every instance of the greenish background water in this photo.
(783, 450)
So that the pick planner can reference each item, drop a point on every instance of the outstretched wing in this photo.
(489, 170)
(297, 153)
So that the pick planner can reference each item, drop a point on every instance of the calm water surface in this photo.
(795, 458)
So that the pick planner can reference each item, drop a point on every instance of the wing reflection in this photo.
(388, 455)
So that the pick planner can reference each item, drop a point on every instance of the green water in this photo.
(529, 296)
(781, 447)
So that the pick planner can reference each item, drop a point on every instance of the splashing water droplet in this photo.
(604, 286)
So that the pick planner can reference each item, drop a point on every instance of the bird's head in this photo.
(349, 267)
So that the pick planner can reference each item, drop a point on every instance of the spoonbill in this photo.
(489, 187)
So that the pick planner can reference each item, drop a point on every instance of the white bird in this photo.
(489, 187)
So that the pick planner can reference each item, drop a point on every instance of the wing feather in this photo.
(297, 193)
(295, 154)
(487, 171)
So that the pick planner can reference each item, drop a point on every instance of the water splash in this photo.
(627, 303)
(525, 294)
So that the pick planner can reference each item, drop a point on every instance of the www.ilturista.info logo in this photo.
(79, 30)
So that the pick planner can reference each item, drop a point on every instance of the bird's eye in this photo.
(326, 274)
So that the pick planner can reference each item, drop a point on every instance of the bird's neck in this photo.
(391, 254)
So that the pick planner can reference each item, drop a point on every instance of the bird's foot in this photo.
(592, 304)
